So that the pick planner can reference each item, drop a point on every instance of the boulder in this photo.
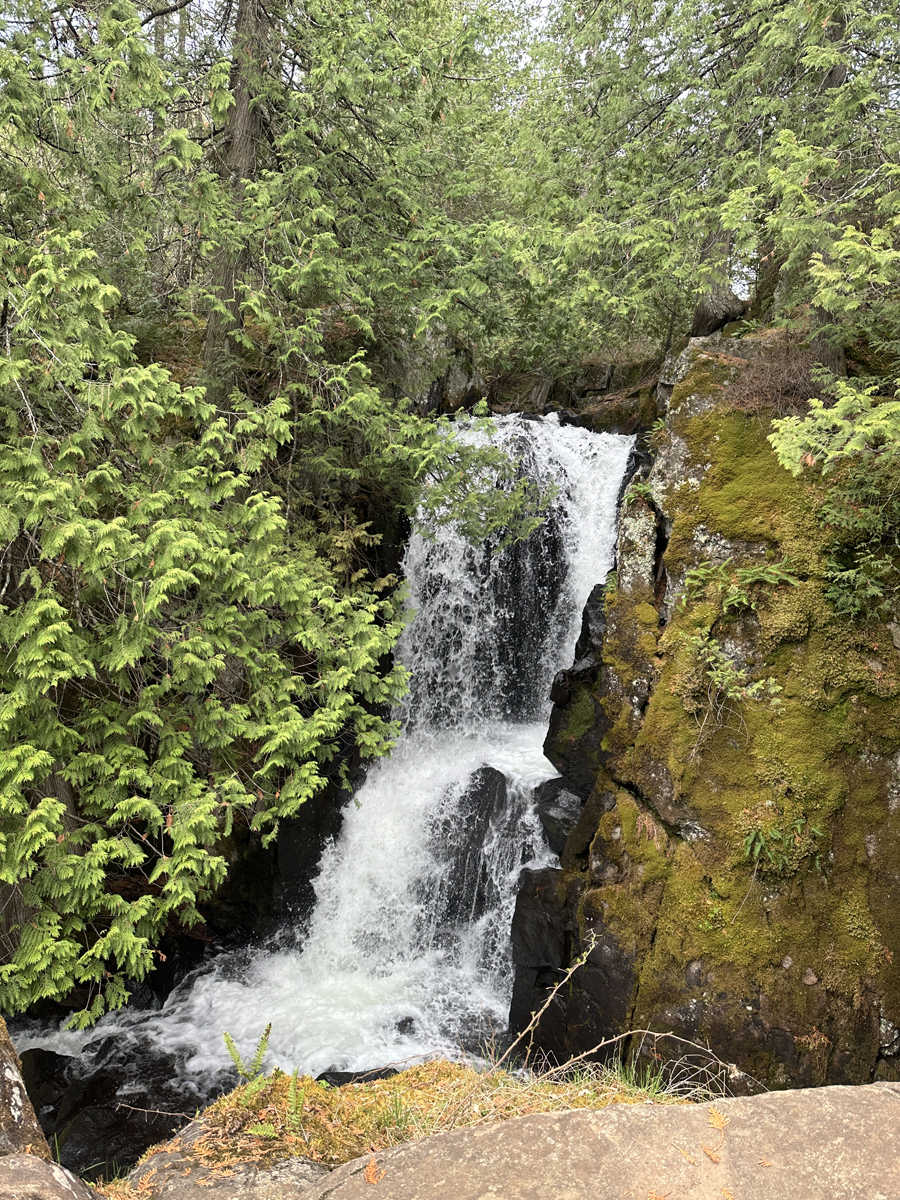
(173, 1173)
(559, 811)
(716, 309)
(459, 835)
(25, 1177)
(820, 1144)
(19, 1128)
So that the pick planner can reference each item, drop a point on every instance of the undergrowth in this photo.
(280, 1116)
(782, 379)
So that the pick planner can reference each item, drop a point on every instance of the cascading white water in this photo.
(407, 953)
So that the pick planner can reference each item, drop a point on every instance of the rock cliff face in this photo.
(734, 874)
(20, 1132)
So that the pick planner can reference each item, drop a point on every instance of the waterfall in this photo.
(406, 954)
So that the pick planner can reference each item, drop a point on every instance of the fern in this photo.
(855, 445)
(252, 1071)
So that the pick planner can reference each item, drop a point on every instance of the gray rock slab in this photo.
(25, 1177)
(172, 1174)
(19, 1128)
(835, 1143)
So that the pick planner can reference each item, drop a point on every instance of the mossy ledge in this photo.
(737, 866)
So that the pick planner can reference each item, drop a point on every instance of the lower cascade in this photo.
(406, 953)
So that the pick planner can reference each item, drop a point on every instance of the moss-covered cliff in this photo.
(736, 867)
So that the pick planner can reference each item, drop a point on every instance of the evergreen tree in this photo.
(191, 630)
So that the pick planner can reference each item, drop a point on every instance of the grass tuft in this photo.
(282, 1115)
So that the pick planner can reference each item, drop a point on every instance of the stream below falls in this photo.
(406, 954)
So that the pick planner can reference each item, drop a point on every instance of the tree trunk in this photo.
(718, 304)
(829, 350)
(237, 166)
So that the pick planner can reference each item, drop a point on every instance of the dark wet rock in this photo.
(593, 624)
(561, 688)
(576, 852)
(340, 1078)
(301, 840)
(104, 1124)
(25, 1177)
(46, 1075)
(568, 417)
(559, 811)
(575, 736)
(540, 937)
(461, 834)
(602, 1006)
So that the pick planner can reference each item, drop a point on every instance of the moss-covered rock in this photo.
(739, 883)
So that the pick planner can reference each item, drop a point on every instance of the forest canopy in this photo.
(238, 241)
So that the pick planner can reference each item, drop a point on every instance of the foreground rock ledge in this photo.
(26, 1177)
(835, 1143)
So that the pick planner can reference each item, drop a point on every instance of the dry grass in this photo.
(780, 379)
(333, 1125)
(278, 1117)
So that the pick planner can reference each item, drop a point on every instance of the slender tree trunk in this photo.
(237, 166)
(828, 350)
(14, 915)
(718, 304)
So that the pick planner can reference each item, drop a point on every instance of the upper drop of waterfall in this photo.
(407, 952)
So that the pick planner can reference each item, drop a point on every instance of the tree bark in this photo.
(718, 304)
(237, 167)
(828, 350)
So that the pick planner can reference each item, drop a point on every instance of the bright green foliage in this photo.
(733, 585)
(743, 143)
(252, 1070)
(855, 443)
(192, 630)
(779, 850)
(172, 651)
(712, 684)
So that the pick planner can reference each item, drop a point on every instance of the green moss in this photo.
(709, 374)
(643, 839)
(629, 652)
(628, 911)
(807, 772)
(579, 716)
